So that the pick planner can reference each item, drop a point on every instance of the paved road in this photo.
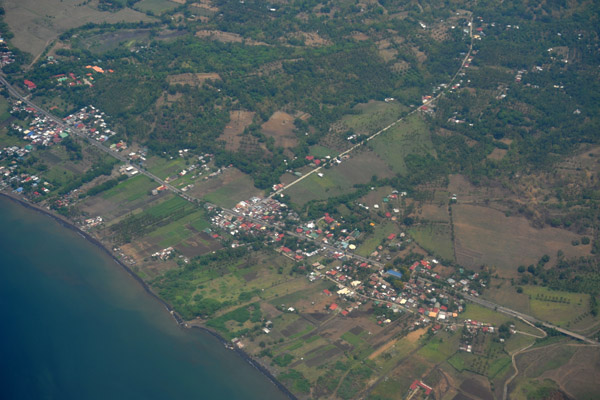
(373, 136)
(82, 134)
(517, 314)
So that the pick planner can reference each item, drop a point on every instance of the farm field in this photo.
(233, 186)
(435, 238)
(370, 244)
(487, 236)
(339, 180)
(556, 307)
(410, 136)
(35, 23)
(372, 116)
(572, 368)
(155, 6)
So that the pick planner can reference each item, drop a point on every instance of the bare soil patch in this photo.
(359, 36)
(204, 4)
(192, 79)
(486, 236)
(497, 154)
(227, 37)
(281, 127)
(477, 388)
(238, 121)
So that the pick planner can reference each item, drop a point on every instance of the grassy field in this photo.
(435, 238)
(155, 6)
(321, 151)
(4, 109)
(338, 180)
(373, 116)
(555, 306)
(486, 236)
(130, 190)
(232, 192)
(164, 168)
(439, 349)
(411, 136)
(370, 244)
(35, 23)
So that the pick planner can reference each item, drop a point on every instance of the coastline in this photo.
(180, 321)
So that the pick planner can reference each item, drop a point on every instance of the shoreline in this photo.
(180, 321)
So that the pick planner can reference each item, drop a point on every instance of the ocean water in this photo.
(75, 325)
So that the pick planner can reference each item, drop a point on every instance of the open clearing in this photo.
(371, 117)
(227, 37)
(192, 79)
(234, 186)
(338, 180)
(435, 238)
(238, 121)
(35, 23)
(410, 136)
(281, 128)
(572, 367)
(487, 236)
(155, 6)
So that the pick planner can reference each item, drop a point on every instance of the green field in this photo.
(340, 179)
(130, 190)
(556, 307)
(231, 193)
(370, 244)
(155, 6)
(435, 238)
(373, 116)
(410, 136)
(164, 168)
(4, 109)
(177, 231)
(439, 349)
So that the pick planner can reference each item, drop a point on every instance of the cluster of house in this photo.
(464, 284)
(254, 215)
(42, 131)
(472, 328)
(6, 55)
(360, 280)
(164, 254)
(92, 222)
(92, 122)
(8, 176)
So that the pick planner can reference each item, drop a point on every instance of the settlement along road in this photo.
(98, 145)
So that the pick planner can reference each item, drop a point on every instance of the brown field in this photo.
(204, 4)
(311, 39)
(238, 121)
(36, 23)
(192, 79)
(386, 51)
(497, 154)
(227, 37)
(574, 368)
(435, 213)
(281, 127)
(487, 236)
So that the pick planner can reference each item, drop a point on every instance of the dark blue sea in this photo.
(75, 325)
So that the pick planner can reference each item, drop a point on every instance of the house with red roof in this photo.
(30, 85)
